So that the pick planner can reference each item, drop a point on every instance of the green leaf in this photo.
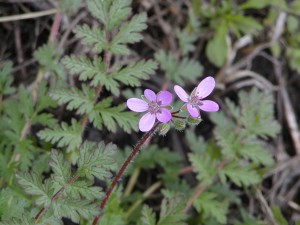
(255, 4)
(257, 111)
(171, 212)
(129, 33)
(196, 144)
(6, 79)
(204, 166)
(178, 71)
(100, 9)
(104, 114)
(48, 56)
(65, 136)
(12, 205)
(133, 73)
(210, 205)
(256, 153)
(81, 100)
(74, 209)
(85, 190)
(186, 41)
(216, 49)
(91, 70)
(32, 185)
(60, 167)
(92, 36)
(241, 176)
(278, 216)
(118, 12)
(148, 217)
(97, 160)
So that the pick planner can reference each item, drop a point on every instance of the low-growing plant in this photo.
(52, 172)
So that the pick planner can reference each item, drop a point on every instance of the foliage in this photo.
(50, 162)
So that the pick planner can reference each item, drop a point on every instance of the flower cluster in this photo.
(157, 106)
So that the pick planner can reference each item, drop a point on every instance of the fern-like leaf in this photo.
(92, 36)
(132, 74)
(104, 114)
(32, 185)
(128, 34)
(208, 203)
(81, 100)
(97, 160)
(65, 136)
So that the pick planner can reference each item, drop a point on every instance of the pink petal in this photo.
(150, 95)
(163, 115)
(193, 111)
(205, 87)
(209, 106)
(146, 122)
(137, 105)
(181, 93)
(164, 98)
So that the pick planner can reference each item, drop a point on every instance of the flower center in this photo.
(154, 107)
(195, 101)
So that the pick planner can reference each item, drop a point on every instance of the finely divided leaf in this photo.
(133, 73)
(129, 33)
(81, 100)
(74, 209)
(104, 114)
(97, 160)
(66, 136)
(92, 36)
(204, 166)
(6, 79)
(241, 176)
(171, 212)
(118, 12)
(208, 203)
(32, 184)
(60, 167)
(148, 217)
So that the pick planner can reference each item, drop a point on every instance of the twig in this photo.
(123, 168)
(27, 15)
(266, 207)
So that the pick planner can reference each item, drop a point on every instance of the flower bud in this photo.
(179, 124)
(164, 129)
(194, 120)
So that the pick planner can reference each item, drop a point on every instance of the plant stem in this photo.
(123, 168)
(56, 196)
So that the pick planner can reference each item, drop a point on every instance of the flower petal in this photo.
(205, 87)
(193, 111)
(181, 93)
(209, 106)
(137, 105)
(150, 95)
(163, 115)
(164, 98)
(146, 122)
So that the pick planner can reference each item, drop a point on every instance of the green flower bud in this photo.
(194, 120)
(179, 124)
(164, 129)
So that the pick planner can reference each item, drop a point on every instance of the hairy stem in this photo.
(123, 168)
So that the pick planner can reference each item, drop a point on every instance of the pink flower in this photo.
(155, 105)
(195, 101)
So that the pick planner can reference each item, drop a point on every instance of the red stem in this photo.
(55, 26)
(122, 170)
